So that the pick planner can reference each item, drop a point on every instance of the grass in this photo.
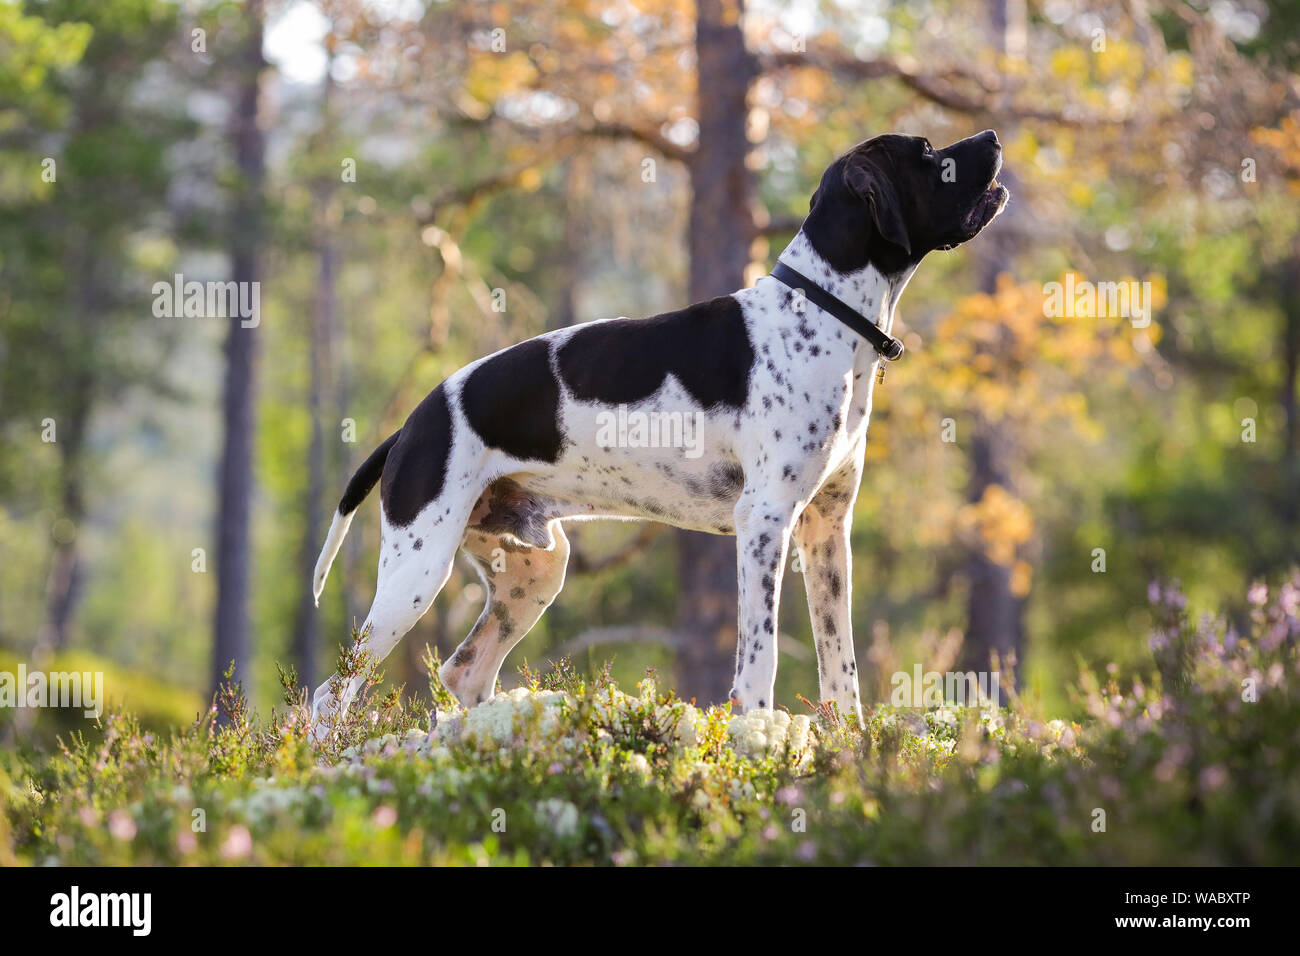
(1197, 763)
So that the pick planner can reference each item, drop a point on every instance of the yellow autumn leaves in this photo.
(1284, 141)
(1000, 524)
(1002, 353)
(1022, 366)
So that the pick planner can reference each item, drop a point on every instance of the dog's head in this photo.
(892, 199)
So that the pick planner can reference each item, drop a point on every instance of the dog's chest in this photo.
(813, 378)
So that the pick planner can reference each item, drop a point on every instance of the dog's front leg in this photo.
(762, 541)
(822, 536)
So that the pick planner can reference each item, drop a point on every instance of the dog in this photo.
(777, 379)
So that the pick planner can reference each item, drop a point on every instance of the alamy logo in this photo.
(179, 299)
(1080, 298)
(133, 910)
(932, 689)
(624, 429)
(56, 689)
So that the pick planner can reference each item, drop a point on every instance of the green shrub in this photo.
(1197, 764)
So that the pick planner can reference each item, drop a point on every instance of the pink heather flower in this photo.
(1109, 787)
(788, 795)
(1273, 637)
(1258, 593)
(1289, 598)
(121, 825)
(384, 817)
(238, 843)
(1213, 777)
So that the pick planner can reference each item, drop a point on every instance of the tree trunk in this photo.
(1290, 301)
(569, 266)
(63, 585)
(721, 230)
(995, 614)
(306, 629)
(235, 478)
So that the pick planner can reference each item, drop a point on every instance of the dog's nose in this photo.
(989, 136)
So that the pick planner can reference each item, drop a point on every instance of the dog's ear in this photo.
(874, 187)
(813, 201)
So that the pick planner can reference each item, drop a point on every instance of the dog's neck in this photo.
(867, 291)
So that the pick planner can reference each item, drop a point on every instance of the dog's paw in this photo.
(319, 734)
(322, 724)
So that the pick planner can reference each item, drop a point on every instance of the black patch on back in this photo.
(417, 464)
(705, 346)
(512, 400)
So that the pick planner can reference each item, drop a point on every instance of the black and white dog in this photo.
(776, 381)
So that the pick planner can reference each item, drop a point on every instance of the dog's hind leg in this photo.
(521, 582)
(413, 569)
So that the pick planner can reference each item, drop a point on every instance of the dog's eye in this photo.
(927, 150)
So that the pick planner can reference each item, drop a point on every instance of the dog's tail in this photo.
(360, 486)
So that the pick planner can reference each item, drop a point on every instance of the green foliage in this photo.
(1197, 764)
(156, 705)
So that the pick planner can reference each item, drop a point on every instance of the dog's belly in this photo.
(662, 459)
(654, 484)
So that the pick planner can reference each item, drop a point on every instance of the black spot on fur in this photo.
(705, 346)
(505, 625)
(417, 465)
(512, 400)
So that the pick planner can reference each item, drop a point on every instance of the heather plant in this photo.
(1194, 761)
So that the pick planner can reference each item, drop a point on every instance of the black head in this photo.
(892, 199)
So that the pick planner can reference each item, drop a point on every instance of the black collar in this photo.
(888, 346)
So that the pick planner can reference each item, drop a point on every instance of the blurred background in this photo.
(417, 184)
